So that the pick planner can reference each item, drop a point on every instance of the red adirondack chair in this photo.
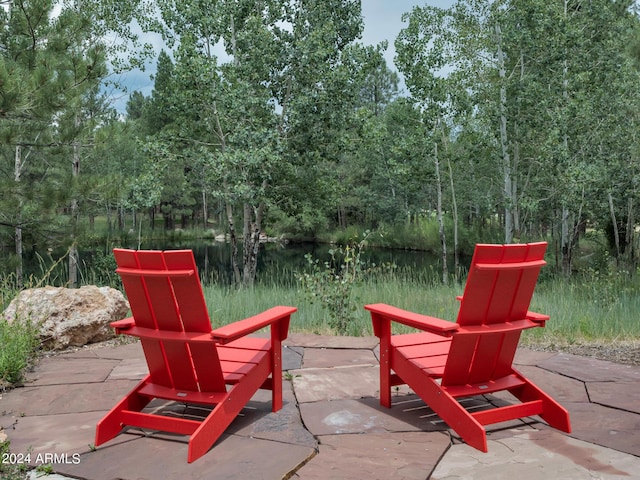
(188, 361)
(473, 356)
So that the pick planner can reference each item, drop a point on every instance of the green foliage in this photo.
(584, 310)
(332, 283)
(20, 338)
(101, 271)
(530, 91)
(8, 289)
(302, 129)
(44, 469)
(19, 341)
(54, 58)
(577, 315)
(10, 471)
(605, 285)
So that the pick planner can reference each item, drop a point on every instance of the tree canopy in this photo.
(519, 122)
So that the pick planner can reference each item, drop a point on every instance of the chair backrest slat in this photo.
(188, 292)
(135, 288)
(504, 358)
(499, 288)
(495, 295)
(195, 318)
(159, 292)
(143, 316)
(164, 292)
(478, 292)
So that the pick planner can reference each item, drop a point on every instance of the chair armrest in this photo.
(241, 328)
(537, 317)
(503, 327)
(124, 324)
(167, 335)
(415, 320)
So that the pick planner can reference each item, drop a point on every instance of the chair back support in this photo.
(165, 295)
(499, 288)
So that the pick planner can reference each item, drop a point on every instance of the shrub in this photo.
(332, 283)
(18, 339)
(9, 471)
(19, 342)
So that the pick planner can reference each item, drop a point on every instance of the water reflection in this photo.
(278, 263)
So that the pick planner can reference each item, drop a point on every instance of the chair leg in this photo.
(111, 424)
(276, 373)
(552, 412)
(212, 428)
(385, 385)
(442, 403)
(384, 333)
(452, 412)
(225, 412)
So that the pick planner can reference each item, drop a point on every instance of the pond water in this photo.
(277, 263)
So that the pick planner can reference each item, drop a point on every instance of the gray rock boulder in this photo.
(69, 317)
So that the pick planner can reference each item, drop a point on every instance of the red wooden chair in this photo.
(473, 356)
(188, 361)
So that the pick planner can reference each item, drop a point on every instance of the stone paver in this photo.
(331, 424)
(565, 389)
(326, 384)
(330, 357)
(536, 455)
(406, 455)
(408, 414)
(531, 357)
(605, 426)
(590, 369)
(69, 433)
(329, 341)
(258, 421)
(150, 458)
(121, 352)
(60, 399)
(63, 370)
(621, 395)
(130, 369)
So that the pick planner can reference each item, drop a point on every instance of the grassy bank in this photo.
(580, 312)
(228, 305)
(587, 310)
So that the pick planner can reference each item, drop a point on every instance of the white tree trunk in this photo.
(566, 241)
(616, 233)
(443, 239)
(251, 246)
(456, 260)
(17, 171)
(205, 208)
(74, 257)
(506, 160)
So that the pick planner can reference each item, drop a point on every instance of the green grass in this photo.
(586, 312)
(9, 471)
(19, 341)
(597, 309)
(581, 312)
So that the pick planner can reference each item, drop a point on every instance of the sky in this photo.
(382, 21)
